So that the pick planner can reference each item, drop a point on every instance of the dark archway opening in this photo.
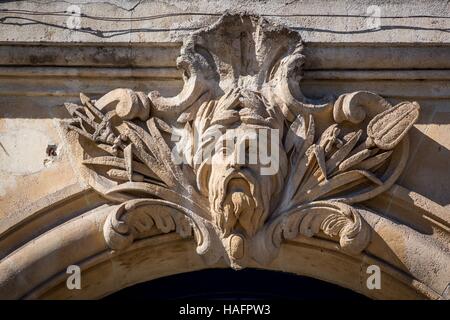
(248, 284)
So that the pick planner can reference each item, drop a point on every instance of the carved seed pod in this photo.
(128, 104)
(388, 128)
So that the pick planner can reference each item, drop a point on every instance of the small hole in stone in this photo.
(51, 150)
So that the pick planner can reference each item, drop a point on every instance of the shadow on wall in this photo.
(26, 18)
(429, 161)
(247, 284)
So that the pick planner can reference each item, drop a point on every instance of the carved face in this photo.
(245, 169)
(153, 188)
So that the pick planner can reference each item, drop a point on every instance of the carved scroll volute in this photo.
(286, 82)
(127, 104)
(357, 106)
(198, 76)
(259, 53)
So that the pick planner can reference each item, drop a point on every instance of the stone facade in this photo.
(137, 145)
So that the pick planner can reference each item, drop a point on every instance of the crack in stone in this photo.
(88, 4)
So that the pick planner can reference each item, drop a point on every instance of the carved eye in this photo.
(226, 151)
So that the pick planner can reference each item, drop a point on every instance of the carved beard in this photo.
(235, 193)
(235, 199)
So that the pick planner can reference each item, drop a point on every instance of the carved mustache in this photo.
(250, 197)
(244, 174)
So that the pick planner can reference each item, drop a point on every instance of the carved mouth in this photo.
(243, 181)
(236, 201)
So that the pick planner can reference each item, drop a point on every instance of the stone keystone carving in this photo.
(241, 157)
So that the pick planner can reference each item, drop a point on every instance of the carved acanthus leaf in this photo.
(139, 217)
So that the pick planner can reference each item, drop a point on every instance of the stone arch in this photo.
(128, 213)
(37, 270)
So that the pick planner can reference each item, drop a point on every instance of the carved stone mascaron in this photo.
(166, 165)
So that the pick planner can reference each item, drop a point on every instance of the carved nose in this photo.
(234, 164)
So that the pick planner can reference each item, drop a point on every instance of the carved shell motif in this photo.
(164, 164)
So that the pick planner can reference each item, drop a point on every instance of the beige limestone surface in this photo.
(53, 214)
